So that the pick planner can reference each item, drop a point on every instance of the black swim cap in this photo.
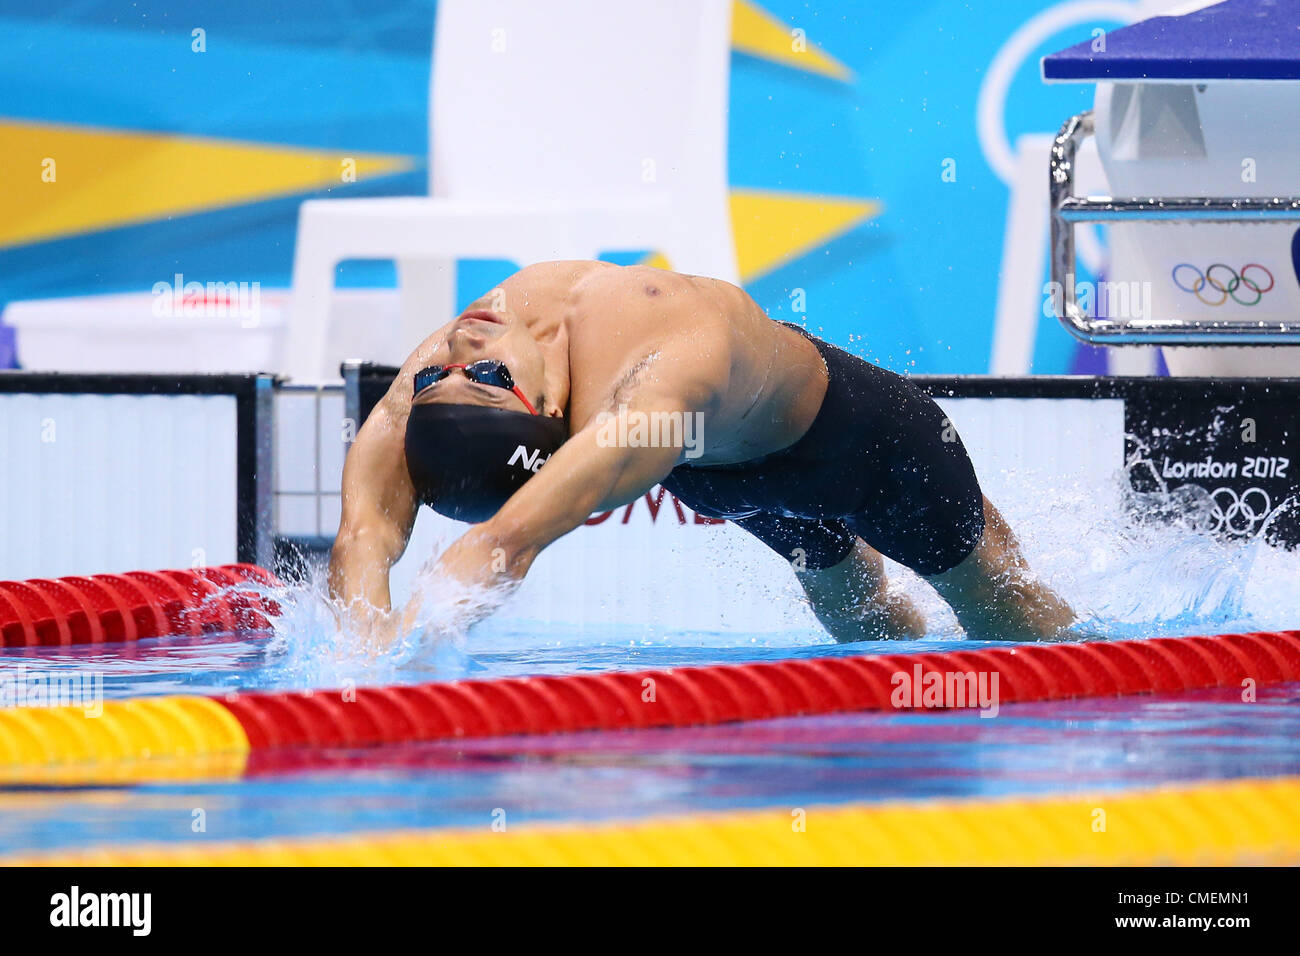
(466, 460)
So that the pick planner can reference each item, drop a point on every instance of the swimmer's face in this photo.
(481, 332)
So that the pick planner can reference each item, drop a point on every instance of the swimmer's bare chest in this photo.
(624, 326)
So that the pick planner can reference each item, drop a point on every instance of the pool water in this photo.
(219, 663)
(1128, 579)
(1098, 744)
(1033, 748)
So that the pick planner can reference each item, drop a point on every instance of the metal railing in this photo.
(1068, 210)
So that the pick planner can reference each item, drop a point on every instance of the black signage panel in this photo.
(1237, 442)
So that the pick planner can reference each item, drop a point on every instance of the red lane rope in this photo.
(109, 608)
(715, 694)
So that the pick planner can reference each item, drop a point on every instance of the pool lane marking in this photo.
(149, 737)
(1253, 821)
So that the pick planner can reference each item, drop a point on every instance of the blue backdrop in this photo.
(912, 287)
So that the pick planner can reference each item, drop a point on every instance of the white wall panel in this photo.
(309, 455)
(100, 483)
(1079, 441)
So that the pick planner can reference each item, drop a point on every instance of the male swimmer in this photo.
(828, 460)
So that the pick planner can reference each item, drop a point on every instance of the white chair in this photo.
(558, 130)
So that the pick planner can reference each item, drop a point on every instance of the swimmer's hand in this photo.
(467, 584)
(370, 629)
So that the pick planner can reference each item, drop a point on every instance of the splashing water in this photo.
(308, 645)
(1145, 564)
(312, 645)
(1132, 564)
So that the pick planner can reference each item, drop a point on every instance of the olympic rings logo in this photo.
(1224, 283)
(1228, 507)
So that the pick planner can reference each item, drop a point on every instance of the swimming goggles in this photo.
(483, 372)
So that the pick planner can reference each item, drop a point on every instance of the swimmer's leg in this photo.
(994, 594)
(842, 575)
(853, 602)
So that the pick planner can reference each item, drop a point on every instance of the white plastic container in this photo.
(239, 329)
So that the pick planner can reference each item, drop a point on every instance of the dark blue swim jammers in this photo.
(881, 461)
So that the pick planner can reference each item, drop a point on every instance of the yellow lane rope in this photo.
(1234, 822)
(145, 738)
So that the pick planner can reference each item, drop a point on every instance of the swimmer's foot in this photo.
(853, 601)
(1023, 611)
(885, 616)
(893, 619)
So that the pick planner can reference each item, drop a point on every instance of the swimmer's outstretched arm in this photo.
(379, 506)
(586, 475)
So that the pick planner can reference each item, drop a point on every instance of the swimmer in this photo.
(522, 416)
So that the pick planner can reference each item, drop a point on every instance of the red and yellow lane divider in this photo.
(109, 608)
(42, 743)
(1221, 823)
(147, 738)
